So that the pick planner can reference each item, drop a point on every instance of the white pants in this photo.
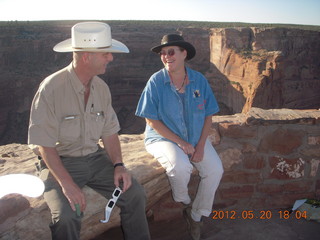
(179, 168)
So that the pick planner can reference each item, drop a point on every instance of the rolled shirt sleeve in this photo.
(43, 127)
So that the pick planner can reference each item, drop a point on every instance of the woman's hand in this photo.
(199, 149)
(198, 154)
(167, 133)
(187, 148)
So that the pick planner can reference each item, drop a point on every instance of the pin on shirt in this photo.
(196, 94)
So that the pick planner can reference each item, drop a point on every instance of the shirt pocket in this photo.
(199, 105)
(70, 129)
(97, 122)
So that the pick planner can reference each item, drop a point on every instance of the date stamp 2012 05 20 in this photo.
(261, 214)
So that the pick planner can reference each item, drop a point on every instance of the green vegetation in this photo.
(238, 85)
(250, 54)
(191, 24)
(313, 202)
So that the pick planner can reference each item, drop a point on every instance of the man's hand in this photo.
(113, 148)
(74, 195)
(121, 175)
(71, 190)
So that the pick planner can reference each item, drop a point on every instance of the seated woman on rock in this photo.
(178, 105)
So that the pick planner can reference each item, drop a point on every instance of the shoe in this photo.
(194, 227)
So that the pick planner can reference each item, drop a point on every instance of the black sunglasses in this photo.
(170, 52)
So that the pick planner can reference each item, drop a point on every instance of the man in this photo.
(70, 112)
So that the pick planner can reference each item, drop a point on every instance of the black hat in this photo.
(175, 40)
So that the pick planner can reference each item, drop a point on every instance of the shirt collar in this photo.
(167, 77)
(75, 81)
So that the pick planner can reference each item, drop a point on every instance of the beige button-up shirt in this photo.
(60, 119)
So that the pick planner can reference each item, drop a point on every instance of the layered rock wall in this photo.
(260, 67)
(271, 158)
(267, 68)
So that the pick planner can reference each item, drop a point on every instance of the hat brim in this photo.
(116, 47)
(191, 51)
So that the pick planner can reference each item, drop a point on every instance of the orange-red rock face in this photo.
(267, 68)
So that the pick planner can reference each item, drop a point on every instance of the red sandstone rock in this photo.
(246, 67)
(282, 141)
(253, 179)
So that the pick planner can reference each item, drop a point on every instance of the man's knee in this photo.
(134, 195)
(65, 225)
(66, 216)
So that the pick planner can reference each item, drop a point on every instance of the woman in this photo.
(178, 104)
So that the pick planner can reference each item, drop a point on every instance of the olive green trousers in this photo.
(95, 171)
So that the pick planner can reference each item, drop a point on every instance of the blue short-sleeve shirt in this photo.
(160, 101)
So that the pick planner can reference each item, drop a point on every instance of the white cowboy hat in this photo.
(91, 37)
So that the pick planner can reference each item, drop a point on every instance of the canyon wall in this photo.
(267, 68)
(271, 158)
(260, 67)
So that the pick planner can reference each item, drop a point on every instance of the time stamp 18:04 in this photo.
(263, 214)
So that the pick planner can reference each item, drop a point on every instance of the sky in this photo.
(305, 12)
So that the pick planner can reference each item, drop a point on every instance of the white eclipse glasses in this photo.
(111, 203)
